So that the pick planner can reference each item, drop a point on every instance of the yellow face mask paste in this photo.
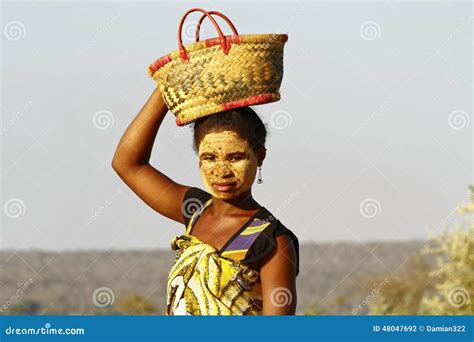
(226, 158)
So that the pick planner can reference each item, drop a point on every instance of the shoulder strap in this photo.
(239, 246)
(193, 201)
(197, 214)
(266, 243)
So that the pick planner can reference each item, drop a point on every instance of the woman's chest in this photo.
(224, 234)
(217, 232)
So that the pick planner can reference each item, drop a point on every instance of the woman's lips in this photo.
(223, 187)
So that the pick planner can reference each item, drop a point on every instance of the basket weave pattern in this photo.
(212, 81)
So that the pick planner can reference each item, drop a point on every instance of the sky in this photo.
(371, 140)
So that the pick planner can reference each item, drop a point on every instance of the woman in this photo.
(235, 257)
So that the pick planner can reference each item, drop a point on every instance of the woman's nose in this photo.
(223, 170)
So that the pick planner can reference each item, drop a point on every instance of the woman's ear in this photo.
(261, 153)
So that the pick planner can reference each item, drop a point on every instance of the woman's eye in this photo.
(235, 158)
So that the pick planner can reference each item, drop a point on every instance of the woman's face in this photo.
(226, 158)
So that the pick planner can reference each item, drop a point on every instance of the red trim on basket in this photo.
(217, 41)
(159, 63)
(233, 39)
(253, 100)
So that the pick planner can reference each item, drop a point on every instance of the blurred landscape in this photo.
(337, 276)
(425, 277)
(402, 278)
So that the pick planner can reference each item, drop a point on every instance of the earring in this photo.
(259, 180)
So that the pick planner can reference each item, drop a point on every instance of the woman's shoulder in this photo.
(194, 199)
(265, 242)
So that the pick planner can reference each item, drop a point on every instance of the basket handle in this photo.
(183, 53)
(220, 15)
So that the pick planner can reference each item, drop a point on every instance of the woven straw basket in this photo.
(221, 73)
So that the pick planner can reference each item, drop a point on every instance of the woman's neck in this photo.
(234, 207)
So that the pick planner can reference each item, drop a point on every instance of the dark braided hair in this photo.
(244, 121)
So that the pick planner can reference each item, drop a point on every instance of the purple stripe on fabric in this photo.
(257, 222)
(242, 242)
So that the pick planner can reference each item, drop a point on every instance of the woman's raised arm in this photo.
(132, 156)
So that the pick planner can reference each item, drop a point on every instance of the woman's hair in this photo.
(244, 121)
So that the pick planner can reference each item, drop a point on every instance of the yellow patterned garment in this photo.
(201, 282)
